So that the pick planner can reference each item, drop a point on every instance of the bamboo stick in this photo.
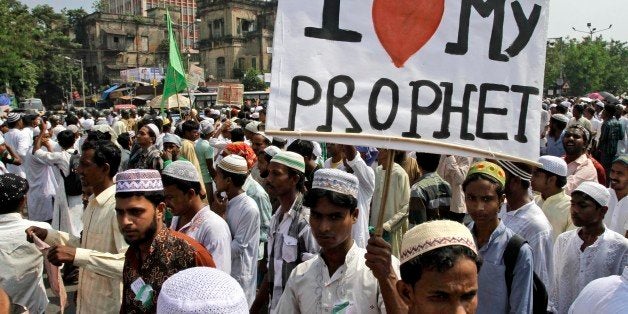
(379, 229)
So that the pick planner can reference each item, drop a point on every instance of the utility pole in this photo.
(592, 30)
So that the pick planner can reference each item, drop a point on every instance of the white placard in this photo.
(411, 74)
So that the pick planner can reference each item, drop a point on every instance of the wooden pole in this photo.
(379, 229)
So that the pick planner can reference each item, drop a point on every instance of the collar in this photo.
(429, 174)
(194, 219)
(349, 264)
(10, 217)
(519, 210)
(105, 195)
(501, 228)
(560, 194)
(581, 160)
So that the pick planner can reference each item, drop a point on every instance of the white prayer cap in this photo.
(102, 120)
(172, 138)
(73, 128)
(138, 180)
(201, 290)
(182, 170)
(272, 150)
(207, 126)
(432, 235)
(234, 164)
(154, 128)
(553, 106)
(560, 117)
(565, 104)
(553, 164)
(87, 124)
(214, 112)
(291, 160)
(317, 151)
(252, 127)
(599, 104)
(596, 191)
(336, 181)
(13, 116)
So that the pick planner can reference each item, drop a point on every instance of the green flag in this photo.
(175, 75)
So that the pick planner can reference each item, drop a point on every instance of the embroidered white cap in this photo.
(182, 170)
(432, 235)
(596, 191)
(336, 181)
(553, 164)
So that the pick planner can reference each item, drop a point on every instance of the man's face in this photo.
(452, 291)
(172, 149)
(482, 201)
(222, 182)
(90, 173)
(619, 177)
(331, 224)
(191, 135)
(279, 179)
(177, 200)
(258, 144)
(143, 138)
(262, 165)
(574, 142)
(539, 181)
(138, 219)
(332, 149)
(584, 211)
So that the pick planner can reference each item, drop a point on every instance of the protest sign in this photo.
(457, 77)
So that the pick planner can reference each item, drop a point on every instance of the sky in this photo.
(563, 15)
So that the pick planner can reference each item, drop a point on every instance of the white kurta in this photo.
(366, 182)
(353, 287)
(616, 217)
(603, 296)
(20, 142)
(68, 210)
(530, 222)
(574, 269)
(42, 188)
(212, 232)
(243, 219)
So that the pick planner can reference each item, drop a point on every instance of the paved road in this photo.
(53, 306)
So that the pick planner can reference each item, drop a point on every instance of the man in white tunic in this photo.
(590, 252)
(243, 218)
(337, 279)
(603, 296)
(42, 183)
(525, 218)
(617, 217)
(18, 140)
(192, 216)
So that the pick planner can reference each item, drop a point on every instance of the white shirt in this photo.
(616, 217)
(20, 143)
(244, 223)
(310, 289)
(574, 269)
(42, 188)
(212, 232)
(530, 222)
(608, 295)
(22, 263)
(366, 182)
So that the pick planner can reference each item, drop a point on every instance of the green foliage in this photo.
(252, 82)
(588, 65)
(100, 6)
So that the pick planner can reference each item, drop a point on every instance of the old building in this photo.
(235, 35)
(116, 42)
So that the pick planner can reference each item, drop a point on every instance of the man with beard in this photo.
(617, 217)
(172, 146)
(580, 167)
(590, 252)
(99, 253)
(338, 278)
(155, 252)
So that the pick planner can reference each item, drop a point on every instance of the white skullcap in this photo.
(73, 128)
(207, 126)
(182, 170)
(560, 117)
(13, 116)
(599, 104)
(553, 164)
(291, 160)
(596, 191)
(432, 235)
(255, 115)
(214, 112)
(336, 181)
(553, 106)
(102, 120)
(272, 150)
(234, 164)
(154, 128)
(172, 138)
(87, 124)
(201, 290)
(139, 180)
(565, 104)
(252, 127)
(317, 151)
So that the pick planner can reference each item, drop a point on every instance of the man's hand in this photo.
(219, 205)
(378, 257)
(41, 233)
(58, 255)
(166, 155)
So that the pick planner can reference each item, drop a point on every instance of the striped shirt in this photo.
(432, 191)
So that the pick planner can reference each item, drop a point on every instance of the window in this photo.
(254, 63)
(241, 63)
(144, 43)
(116, 39)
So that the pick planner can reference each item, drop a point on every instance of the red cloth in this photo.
(244, 150)
(601, 173)
(54, 275)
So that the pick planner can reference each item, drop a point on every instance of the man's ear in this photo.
(160, 211)
(406, 292)
(354, 215)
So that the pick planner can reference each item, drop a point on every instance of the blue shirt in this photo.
(554, 147)
(492, 290)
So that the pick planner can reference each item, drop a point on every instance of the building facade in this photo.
(116, 42)
(235, 35)
(186, 9)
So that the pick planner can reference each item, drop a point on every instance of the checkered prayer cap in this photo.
(553, 164)
(291, 160)
(272, 150)
(201, 290)
(13, 116)
(596, 191)
(234, 164)
(432, 235)
(182, 170)
(336, 181)
(12, 188)
(139, 180)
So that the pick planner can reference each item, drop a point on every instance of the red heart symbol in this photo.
(404, 26)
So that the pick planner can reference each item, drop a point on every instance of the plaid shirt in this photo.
(611, 133)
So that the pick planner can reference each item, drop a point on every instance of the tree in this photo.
(252, 82)
(588, 65)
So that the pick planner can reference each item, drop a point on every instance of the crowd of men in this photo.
(206, 213)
